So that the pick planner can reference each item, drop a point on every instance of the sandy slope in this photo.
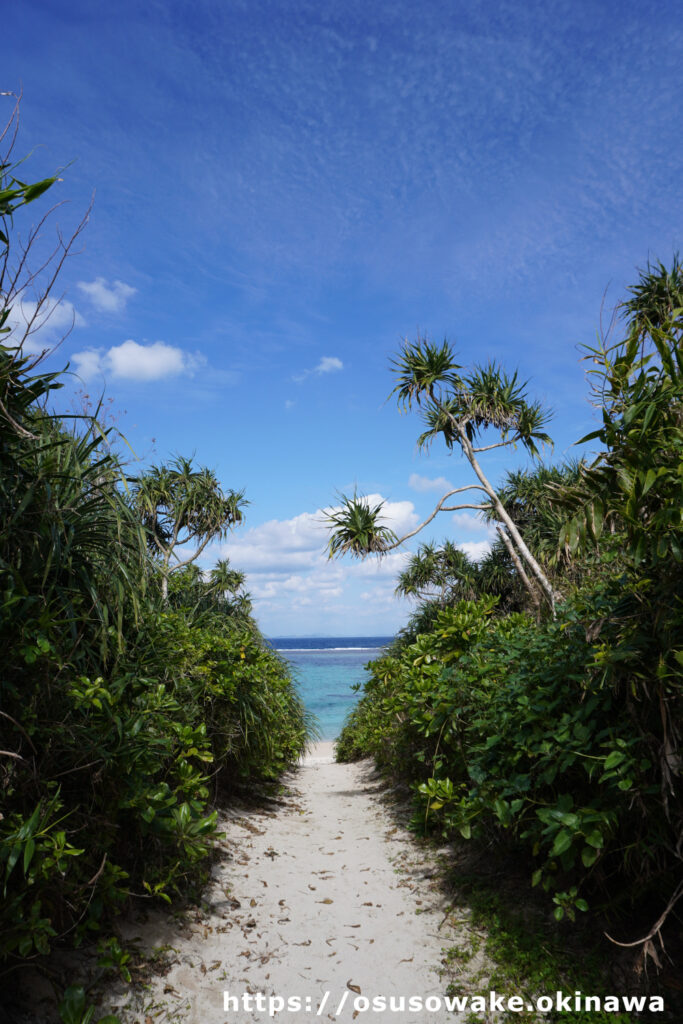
(321, 894)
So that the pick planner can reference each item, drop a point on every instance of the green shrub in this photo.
(118, 718)
(564, 737)
(510, 729)
(122, 714)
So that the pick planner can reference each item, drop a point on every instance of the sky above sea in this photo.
(282, 192)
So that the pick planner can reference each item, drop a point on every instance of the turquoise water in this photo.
(326, 670)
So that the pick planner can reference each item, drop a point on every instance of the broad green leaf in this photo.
(650, 478)
(563, 840)
(589, 856)
(72, 1006)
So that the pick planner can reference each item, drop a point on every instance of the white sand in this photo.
(319, 894)
(320, 753)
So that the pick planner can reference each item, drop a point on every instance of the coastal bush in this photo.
(508, 729)
(238, 687)
(402, 707)
(562, 738)
(117, 715)
(121, 715)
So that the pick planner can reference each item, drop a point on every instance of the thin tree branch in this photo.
(187, 561)
(439, 508)
(456, 508)
(678, 892)
(490, 447)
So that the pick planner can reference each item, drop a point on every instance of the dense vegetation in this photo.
(130, 695)
(553, 727)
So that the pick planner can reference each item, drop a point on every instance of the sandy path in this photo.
(318, 895)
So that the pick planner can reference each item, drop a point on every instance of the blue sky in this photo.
(285, 190)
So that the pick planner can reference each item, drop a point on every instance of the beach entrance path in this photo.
(321, 899)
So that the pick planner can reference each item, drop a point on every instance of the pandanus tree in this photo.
(219, 592)
(441, 574)
(224, 579)
(528, 497)
(465, 409)
(180, 505)
(226, 584)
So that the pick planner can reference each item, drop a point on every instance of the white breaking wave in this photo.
(300, 650)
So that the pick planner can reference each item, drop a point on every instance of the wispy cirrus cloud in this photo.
(133, 361)
(105, 297)
(328, 364)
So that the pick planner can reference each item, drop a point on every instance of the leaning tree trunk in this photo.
(504, 515)
(533, 592)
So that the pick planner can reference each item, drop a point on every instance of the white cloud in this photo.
(132, 361)
(476, 549)
(328, 364)
(281, 546)
(297, 590)
(471, 523)
(288, 569)
(88, 363)
(386, 568)
(381, 596)
(146, 362)
(400, 516)
(107, 298)
(423, 484)
(49, 324)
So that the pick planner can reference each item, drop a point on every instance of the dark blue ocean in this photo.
(326, 669)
